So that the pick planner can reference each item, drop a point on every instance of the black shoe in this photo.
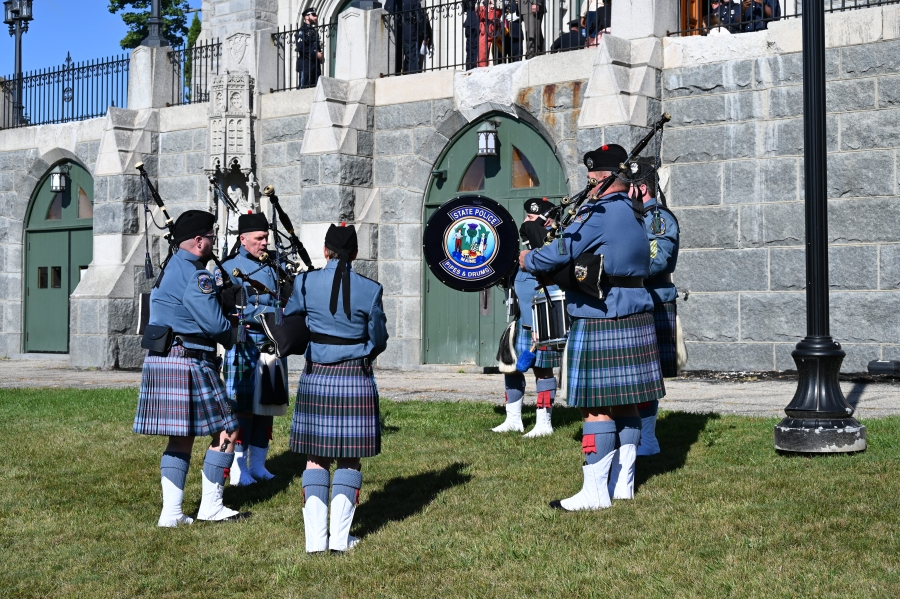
(556, 504)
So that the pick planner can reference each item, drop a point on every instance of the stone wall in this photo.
(735, 150)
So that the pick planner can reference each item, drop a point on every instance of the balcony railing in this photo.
(716, 17)
(466, 34)
(304, 54)
(192, 71)
(68, 92)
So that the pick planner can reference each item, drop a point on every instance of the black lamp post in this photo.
(154, 37)
(17, 14)
(819, 419)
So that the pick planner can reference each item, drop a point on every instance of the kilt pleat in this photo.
(545, 358)
(664, 319)
(337, 414)
(613, 361)
(182, 397)
(238, 371)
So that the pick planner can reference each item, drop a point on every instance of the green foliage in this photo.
(136, 13)
(449, 509)
(193, 34)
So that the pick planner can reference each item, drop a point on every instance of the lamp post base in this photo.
(820, 435)
(819, 419)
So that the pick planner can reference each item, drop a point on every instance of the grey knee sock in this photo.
(315, 484)
(629, 430)
(346, 482)
(174, 466)
(515, 387)
(246, 425)
(604, 440)
(546, 392)
(215, 464)
(650, 410)
(262, 431)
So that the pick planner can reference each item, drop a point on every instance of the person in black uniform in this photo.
(727, 14)
(309, 50)
(571, 40)
(412, 29)
(512, 32)
(470, 27)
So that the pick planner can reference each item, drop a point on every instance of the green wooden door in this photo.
(464, 328)
(58, 249)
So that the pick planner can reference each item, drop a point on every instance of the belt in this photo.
(207, 343)
(332, 340)
(614, 281)
(660, 279)
(198, 354)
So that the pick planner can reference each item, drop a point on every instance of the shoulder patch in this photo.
(205, 283)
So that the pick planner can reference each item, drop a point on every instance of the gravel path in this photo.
(748, 398)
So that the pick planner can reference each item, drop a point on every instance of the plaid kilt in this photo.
(664, 318)
(337, 415)
(182, 397)
(545, 358)
(613, 361)
(239, 372)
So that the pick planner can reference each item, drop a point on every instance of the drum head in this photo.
(471, 243)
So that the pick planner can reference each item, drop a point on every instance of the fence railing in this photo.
(303, 55)
(68, 92)
(715, 17)
(192, 71)
(466, 34)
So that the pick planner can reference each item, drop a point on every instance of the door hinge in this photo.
(427, 285)
(427, 340)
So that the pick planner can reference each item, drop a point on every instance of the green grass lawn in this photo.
(448, 510)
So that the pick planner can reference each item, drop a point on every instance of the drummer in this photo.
(533, 231)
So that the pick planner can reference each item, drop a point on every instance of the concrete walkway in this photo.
(749, 398)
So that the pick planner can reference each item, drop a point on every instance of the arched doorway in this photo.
(58, 249)
(464, 328)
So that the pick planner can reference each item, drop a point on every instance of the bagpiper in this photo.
(181, 394)
(336, 415)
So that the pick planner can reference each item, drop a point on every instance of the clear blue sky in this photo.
(85, 28)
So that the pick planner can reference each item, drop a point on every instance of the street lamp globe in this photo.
(59, 179)
(16, 10)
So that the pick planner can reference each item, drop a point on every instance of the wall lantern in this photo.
(487, 138)
(59, 178)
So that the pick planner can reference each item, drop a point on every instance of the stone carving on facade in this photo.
(237, 46)
(229, 150)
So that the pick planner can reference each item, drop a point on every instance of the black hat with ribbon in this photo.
(192, 223)
(608, 157)
(249, 223)
(342, 241)
(537, 206)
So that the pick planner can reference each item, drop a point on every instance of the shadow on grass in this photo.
(286, 466)
(405, 496)
(676, 432)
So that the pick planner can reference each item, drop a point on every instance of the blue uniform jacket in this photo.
(312, 295)
(663, 254)
(257, 303)
(187, 300)
(607, 226)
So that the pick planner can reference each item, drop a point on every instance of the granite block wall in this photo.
(735, 156)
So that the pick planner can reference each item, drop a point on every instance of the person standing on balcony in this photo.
(532, 12)
(725, 15)
(593, 19)
(412, 29)
(470, 27)
(512, 32)
(489, 16)
(309, 50)
(758, 13)
(571, 40)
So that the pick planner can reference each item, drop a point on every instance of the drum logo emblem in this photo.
(470, 242)
(581, 272)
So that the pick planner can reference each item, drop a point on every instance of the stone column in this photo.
(151, 78)
(635, 19)
(361, 45)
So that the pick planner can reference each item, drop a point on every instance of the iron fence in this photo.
(303, 54)
(723, 17)
(192, 71)
(466, 34)
(68, 92)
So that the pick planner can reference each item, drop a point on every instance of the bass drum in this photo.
(471, 243)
